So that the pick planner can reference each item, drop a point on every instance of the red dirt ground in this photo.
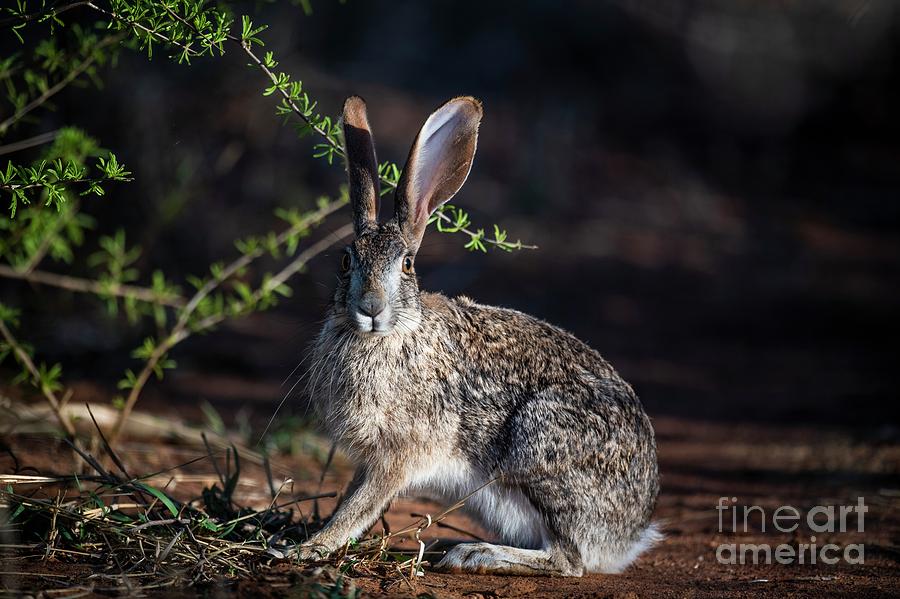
(700, 462)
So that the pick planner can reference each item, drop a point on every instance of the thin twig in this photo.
(14, 187)
(287, 97)
(48, 394)
(245, 259)
(109, 450)
(46, 242)
(283, 275)
(451, 527)
(24, 144)
(37, 15)
(83, 66)
(79, 285)
(167, 522)
(55, 227)
(136, 25)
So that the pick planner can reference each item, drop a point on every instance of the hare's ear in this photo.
(438, 164)
(362, 169)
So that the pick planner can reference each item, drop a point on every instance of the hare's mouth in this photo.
(380, 324)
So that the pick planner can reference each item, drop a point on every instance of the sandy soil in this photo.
(700, 462)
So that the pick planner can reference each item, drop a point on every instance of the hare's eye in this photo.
(345, 262)
(407, 264)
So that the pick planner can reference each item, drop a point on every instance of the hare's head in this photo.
(378, 291)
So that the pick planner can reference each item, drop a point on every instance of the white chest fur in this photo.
(370, 390)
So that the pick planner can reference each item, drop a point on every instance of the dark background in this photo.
(714, 187)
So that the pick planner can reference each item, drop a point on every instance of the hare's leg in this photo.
(530, 546)
(367, 497)
(485, 558)
(591, 476)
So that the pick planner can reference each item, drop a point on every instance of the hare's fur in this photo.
(448, 398)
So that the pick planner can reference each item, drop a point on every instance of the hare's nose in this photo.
(372, 304)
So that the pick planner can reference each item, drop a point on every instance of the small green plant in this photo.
(111, 517)
(64, 43)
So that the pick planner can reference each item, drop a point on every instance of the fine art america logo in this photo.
(821, 519)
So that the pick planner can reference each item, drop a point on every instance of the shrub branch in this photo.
(284, 274)
(197, 29)
(48, 393)
(91, 286)
(62, 83)
(455, 222)
(337, 149)
(182, 329)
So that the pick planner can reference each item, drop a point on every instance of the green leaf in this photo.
(213, 419)
(210, 525)
(163, 498)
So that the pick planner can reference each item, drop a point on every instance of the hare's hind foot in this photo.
(486, 558)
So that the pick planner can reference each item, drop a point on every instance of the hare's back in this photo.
(509, 359)
(523, 347)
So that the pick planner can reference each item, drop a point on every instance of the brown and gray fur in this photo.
(439, 396)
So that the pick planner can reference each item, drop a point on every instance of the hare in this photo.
(446, 397)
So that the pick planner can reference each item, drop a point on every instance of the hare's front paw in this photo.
(311, 551)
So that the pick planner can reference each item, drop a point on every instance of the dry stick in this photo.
(65, 399)
(109, 450)
(180, 330)
(428, 521)
(79, 285)
(451, 527)
(325, 467)
(48, 394)
(166, 522)
(83, 66)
